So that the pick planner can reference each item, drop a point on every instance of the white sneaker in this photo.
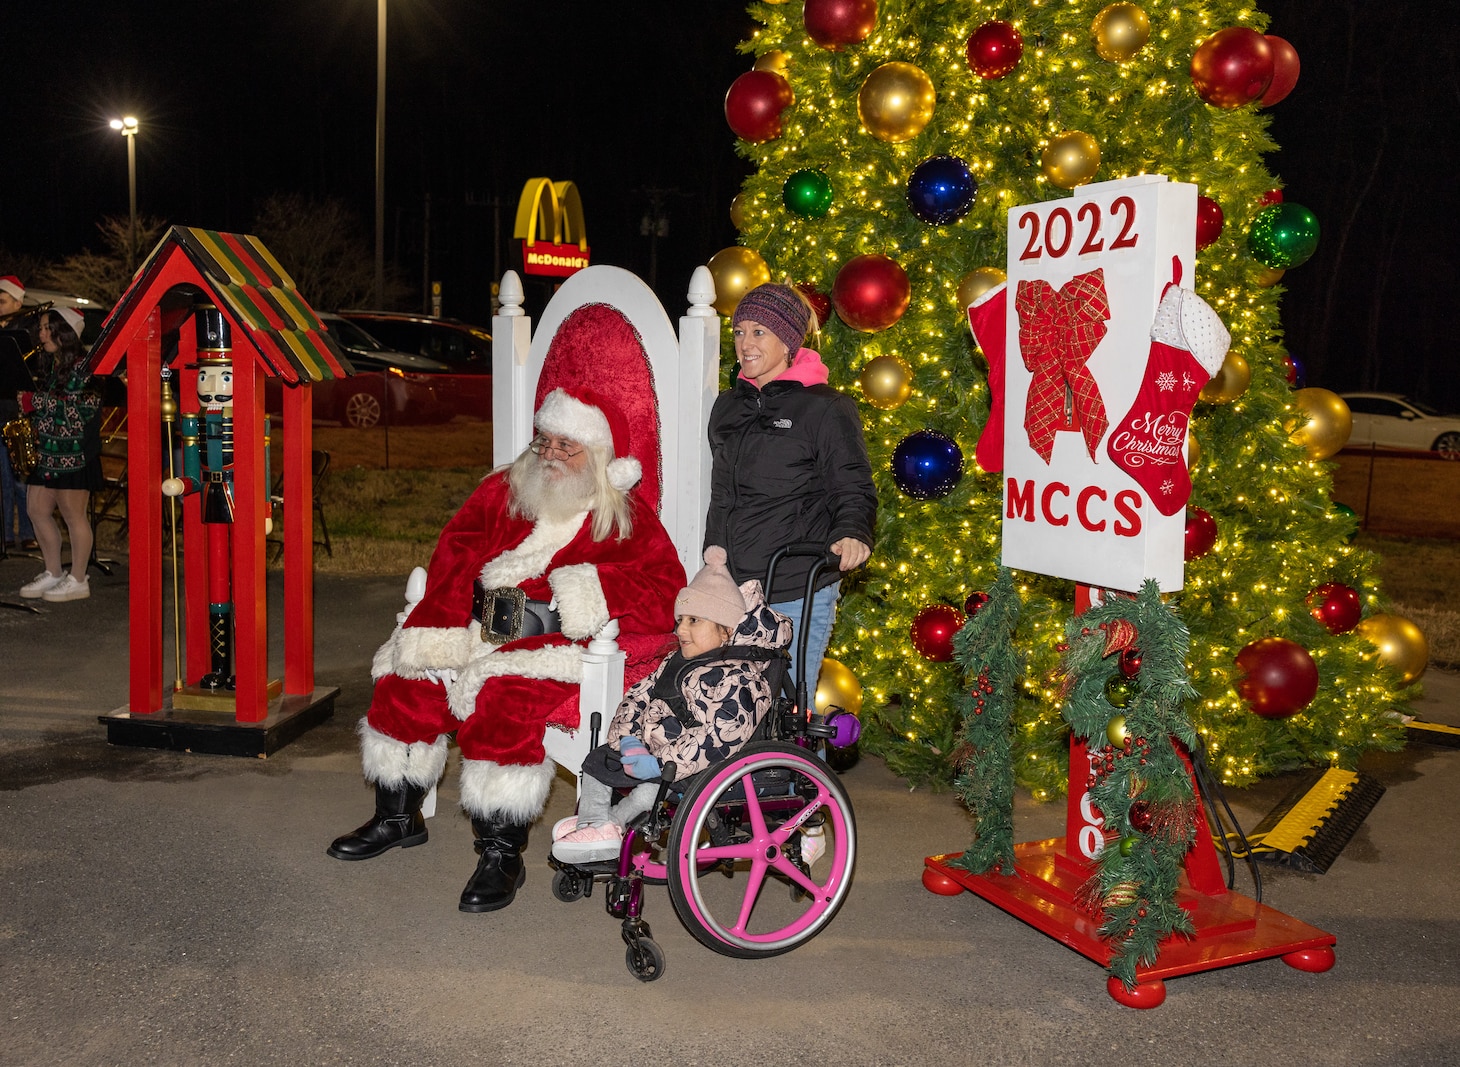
(813, 844)
(68, 588)
(33, 589)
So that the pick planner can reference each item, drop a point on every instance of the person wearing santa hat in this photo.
(14, 521)
(65, 411)
(542, 555)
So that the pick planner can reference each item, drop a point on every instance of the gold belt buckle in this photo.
(517, 600)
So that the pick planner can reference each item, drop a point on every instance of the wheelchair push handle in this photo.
(822, 558)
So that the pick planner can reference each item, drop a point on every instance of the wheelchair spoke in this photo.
(752, 890)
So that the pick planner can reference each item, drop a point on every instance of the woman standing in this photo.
(68, 468)
(789, 464)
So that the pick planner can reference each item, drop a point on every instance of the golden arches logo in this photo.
(550, 227)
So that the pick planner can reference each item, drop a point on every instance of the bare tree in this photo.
(323, 247)
(103, 276)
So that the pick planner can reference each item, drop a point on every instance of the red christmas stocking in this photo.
(1188, 343)
(986, 319)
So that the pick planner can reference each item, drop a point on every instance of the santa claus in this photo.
(539, 558)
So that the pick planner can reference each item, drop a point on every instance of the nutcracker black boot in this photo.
(397, 821)
(500, 871)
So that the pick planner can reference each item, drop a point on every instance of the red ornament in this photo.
(870, 293)
(1337, 608)
(1130, 662)
(994, 49)
(819, 301)
(833, 24)
(974, 602)
(1232, 67)
(1209, 219)
(1279, 677)
(1201, 533)
(1284, 71)
(1290, 370)
(933, 629)
(1140, 816)
(754, 103)
(1272, 196)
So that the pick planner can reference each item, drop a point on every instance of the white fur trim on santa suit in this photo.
(411, 652)
(391, 763)
(558, 663)
(563, 415)
(531, 558)
(509, 791)
(625, 473)
(578, 594)
(1184, 320)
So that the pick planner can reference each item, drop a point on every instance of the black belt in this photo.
(506, 614)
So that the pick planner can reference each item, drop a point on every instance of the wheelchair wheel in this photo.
(645, 959)
(738, 828)
(569, 886)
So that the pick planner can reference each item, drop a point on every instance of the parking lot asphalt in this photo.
(168, 908)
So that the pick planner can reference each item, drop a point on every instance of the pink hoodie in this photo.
(805, 368)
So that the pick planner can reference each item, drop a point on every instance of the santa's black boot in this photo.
(500, 871)
(397, 821)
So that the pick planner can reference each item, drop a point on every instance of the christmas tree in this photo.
(890, 140)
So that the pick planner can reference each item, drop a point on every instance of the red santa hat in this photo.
(11, 284)
(72, 318)
(590, 418)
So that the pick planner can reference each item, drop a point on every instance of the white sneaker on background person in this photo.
(36, 588)
(68, 588)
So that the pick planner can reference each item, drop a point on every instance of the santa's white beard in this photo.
(547, 489)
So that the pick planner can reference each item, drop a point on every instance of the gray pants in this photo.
(596, 807)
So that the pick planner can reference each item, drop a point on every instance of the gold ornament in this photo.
(737, 212)
(1401, 644)
(1193, 451)
(1323, 424)
(1122, 894)
(1071, 159)
(838, 687)
(1115, 731)
(977, 282)
(1228, 383)
(896, 101)
(1120, 31)
(1267, 277)
(887, 382)
(736, 271)
(775, 61)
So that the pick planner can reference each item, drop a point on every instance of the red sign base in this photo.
(1230, 928)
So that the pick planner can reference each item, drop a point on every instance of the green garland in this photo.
(1125, 681)
(985, 649)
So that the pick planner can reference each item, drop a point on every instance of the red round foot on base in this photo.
(1313, 960)
(936, 882)
(1151, 994)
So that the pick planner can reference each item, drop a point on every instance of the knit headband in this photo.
(778, 308)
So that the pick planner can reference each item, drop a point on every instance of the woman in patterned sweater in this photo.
(65, 412)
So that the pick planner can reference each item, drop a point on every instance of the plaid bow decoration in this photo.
(1058, 332)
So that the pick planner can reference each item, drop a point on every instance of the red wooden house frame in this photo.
(275, 334)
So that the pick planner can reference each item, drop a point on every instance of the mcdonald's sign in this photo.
(550, 227)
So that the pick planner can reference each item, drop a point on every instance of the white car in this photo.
(1389, 420)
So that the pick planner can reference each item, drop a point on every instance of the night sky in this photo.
(239, 99)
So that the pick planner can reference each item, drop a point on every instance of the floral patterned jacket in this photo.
(710, 705)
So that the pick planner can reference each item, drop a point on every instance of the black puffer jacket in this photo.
(789, 465)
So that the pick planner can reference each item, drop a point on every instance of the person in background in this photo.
(15, 524)
(789, 464)
(65, 411)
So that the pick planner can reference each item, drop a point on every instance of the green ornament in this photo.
(807, 193)
(1283, 235)
(1128, 844)
(1119, 691)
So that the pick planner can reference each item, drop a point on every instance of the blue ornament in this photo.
(926, 464)
(941, 190)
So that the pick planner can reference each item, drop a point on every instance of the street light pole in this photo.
(380, 155)
(128, 129)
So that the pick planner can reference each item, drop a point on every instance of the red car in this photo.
(465, 350)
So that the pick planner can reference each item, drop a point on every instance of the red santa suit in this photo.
(435, 674)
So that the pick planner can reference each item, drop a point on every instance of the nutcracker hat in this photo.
(11, 284)
(72, 318)
(712, 594)
(589, 417)
(778, 308)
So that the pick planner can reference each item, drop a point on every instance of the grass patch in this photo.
(1421, 577)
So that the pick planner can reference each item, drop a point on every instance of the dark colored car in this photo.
(413, 383)
(466, 351)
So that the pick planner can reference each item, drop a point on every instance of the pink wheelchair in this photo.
(757, 850)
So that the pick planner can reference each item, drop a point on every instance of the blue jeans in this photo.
(12, 502)
(822, 615)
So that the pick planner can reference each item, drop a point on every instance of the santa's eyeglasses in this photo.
(563, 446)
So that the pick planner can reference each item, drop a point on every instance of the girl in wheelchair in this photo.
(697, 708)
